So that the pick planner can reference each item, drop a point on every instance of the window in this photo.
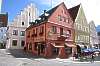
(69, 32)
(30, 46)
(61, 31)
(33, 33)
(54, 29)
(64, 19)
(14, 43)
(15, 32)
(59, 18)
(29, 14)
(36, 31)
(36, 46)
(29, 34)
(41, 30)
(22, 23)
(22, 33)
(1, 24)
(22, 43)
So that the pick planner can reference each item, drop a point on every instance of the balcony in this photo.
(63, 37)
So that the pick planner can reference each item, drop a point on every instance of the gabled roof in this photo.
(51, 11)
(74, 11)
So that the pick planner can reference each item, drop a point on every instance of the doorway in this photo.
(40, 48)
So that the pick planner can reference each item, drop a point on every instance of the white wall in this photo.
(17, 24)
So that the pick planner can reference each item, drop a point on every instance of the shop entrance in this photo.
(40, 48)
(55, 51)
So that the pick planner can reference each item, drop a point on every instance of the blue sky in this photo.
(91, 7)
(13, 7)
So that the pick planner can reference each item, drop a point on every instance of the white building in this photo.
(16, 31)
(93, 34)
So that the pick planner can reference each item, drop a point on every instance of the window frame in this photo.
(15, 32)
(15, 42)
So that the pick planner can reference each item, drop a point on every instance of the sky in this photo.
(91, 7)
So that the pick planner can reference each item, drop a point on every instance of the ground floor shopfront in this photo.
(81, 46)
(52, 49)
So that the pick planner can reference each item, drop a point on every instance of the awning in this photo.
(82, 46)
(70, 45)
(56, 45)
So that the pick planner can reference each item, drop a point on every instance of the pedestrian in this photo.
(92, 58)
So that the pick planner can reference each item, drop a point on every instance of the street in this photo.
(12, 58)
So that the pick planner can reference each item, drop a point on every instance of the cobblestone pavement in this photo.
(12, 58)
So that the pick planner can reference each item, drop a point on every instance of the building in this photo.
(98, 33)
(16, 30)
(81, 28)
(3, 29)
(52, 35)
(98, 45)
(0, 5)
(93, 35)
(3, 19)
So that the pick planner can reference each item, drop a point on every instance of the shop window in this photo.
(14, 43)
(36, 46)
(68, 50)
(55, 51)
(22, 43)
(30, 46)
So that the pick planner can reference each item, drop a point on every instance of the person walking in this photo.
(92, 58)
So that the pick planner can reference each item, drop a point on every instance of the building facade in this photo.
(16, 30)
(81, 26)
(93, 35)
(3, 29)
(53, 35)
(3, 19)
(98, 45)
